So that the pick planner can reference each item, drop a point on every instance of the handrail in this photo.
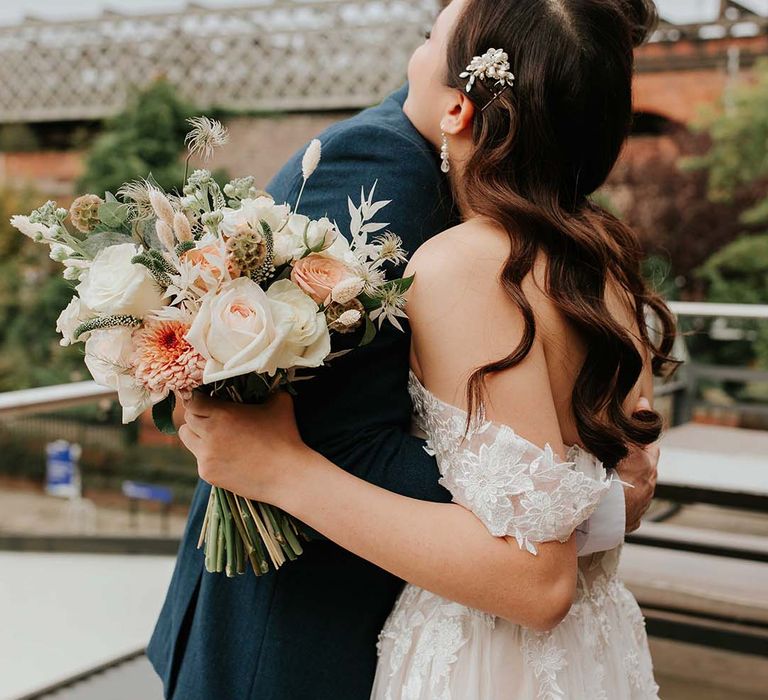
(710, 310)
(55, 397)
(62, 396)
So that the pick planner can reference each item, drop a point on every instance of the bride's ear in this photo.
(459, 116)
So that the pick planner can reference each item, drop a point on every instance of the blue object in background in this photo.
(147, 492)
(62, 475)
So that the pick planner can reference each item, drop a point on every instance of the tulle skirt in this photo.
(433, 649)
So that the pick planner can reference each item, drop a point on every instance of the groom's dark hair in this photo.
(541, 149)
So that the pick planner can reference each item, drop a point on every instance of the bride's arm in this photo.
(458, 326)
(256, 451)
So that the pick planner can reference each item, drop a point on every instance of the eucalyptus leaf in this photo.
(113, 214)
(96, 242)
(162, 414)
(370, 332)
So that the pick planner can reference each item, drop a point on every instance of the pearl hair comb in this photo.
(492, 65)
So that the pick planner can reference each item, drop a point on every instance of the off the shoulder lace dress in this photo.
(434, 649)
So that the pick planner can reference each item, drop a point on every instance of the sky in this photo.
(12, 11)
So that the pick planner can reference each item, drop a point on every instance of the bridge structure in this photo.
(310, 55)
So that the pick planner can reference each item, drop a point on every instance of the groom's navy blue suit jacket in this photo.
(309, 631)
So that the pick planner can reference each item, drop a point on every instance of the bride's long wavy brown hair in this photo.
(540, 150)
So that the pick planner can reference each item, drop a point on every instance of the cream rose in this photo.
(239, 331)
(115, 285)
(318, 274)
(289, 242)
(308, 343)
(109, 356)
(251, 213)
(70, 319)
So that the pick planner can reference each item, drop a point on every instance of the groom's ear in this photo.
(460, 115)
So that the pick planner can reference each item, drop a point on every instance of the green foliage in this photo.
(738, 157)
(739, 274)
(32, 295)
(148, 137)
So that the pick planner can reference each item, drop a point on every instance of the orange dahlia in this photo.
(165, 360)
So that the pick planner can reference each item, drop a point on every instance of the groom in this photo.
(309, 630)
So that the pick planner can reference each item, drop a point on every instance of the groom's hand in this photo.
(639, 469)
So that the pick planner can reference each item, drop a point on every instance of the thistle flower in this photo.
(161, 206)
(311, 158)
(206, 136)
(392, 304)
(391, 248)
(137, 192)
(165, 360)
(84, 212)
(373, 279)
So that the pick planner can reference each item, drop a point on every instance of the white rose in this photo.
(289, 242)
(308, 343)
(239, 331)
(73, 316)
(251, 213)
(321, 234)
(109, 355)
(115, 285)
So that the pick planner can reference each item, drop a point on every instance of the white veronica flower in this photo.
(37, 232)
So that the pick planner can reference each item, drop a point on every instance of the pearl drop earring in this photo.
(446, 165)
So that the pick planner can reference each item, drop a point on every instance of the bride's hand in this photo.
(254, 451)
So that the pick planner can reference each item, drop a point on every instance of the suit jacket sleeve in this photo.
(355, 156)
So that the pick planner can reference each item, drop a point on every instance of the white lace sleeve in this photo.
(512, 485)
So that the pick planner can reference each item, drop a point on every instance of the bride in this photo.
(529, 351)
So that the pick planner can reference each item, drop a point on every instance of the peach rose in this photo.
(205, 259)
(318, 274)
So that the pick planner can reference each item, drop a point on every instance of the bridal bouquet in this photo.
(220, 290)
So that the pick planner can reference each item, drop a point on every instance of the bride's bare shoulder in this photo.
(471, 248)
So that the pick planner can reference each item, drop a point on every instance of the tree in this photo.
(147, 138)
(32, 294)
(739, 274)
(738, 158)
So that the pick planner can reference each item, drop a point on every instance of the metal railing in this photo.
(685, 388)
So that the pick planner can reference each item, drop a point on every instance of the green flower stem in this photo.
(271, 522)
(240, 554)
(258, 561)
(221, 548)
(289, 530)
(206, 520)
(229, 531)
(274, 552)
(237, 518)
(211, 554)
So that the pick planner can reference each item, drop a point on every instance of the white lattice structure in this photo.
(275, 55)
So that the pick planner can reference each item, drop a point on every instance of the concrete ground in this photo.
(90, 614)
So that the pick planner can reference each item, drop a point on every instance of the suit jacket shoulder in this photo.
(378, 146)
